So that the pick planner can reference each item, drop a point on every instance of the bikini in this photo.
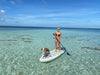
(58, 36)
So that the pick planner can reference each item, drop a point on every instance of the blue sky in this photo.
(54, 13)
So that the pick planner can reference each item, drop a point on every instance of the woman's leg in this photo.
(59, 46)
(55, 45)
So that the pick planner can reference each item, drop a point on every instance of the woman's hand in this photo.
(54, 34)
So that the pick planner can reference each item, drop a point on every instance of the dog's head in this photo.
(42, 49)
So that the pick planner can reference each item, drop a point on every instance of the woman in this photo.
(57, 35)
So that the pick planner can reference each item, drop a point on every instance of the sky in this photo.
(50, 13)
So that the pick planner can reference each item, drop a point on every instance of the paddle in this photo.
(63, 46)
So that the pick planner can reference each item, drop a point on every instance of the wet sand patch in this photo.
(98, 49)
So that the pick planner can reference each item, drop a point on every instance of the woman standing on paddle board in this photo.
(57, 35)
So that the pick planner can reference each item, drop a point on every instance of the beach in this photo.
(20, 51)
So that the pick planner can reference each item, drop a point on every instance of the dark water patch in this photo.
(99, 44)
(28, 41)
(16, 37)
(11, 40)
(98, 36)
(73, 37)
(2, 40)
(20, 73)
(26, 38)
(69, 37)
(21, 36)
(9, 44)
(8, 40)
(82, 35)
(91, 48)
(25, 35)
(9, 36)
(97, 68)
(83, 40)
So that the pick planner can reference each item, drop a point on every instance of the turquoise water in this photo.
(20, 50)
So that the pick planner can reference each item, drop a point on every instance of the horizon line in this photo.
(46, 27)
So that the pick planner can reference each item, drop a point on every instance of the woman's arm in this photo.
(54, 33)
(60, 35)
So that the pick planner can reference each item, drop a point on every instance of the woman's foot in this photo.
(55, 50)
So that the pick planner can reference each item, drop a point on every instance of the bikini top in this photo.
(58, 35)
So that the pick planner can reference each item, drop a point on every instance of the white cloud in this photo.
(12, 2)
(2, 12)
(60, 16)
(70, 14)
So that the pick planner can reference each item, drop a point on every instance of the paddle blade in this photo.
(68, 54)
(63, 48)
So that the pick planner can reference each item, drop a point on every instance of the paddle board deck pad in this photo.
(53, 55)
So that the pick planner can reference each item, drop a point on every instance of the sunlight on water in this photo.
(20, 51)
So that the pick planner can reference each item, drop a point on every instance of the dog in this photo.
(45, 50)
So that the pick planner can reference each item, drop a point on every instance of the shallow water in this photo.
(20, 50)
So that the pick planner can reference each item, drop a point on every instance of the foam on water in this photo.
(20, 51)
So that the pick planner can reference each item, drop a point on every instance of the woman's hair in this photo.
(58, 28)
